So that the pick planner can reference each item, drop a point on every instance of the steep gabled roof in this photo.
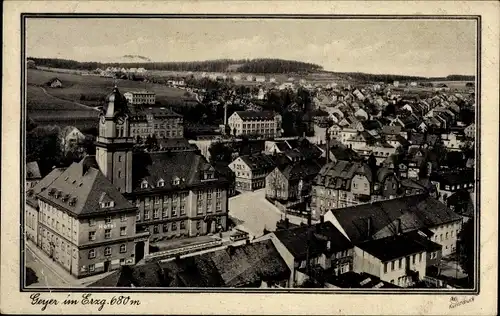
(242, 266)
(258, 161)
(392, 247)
(250, 115)
(296, 240)
(79, 189)
(187, 166)
(415, 212)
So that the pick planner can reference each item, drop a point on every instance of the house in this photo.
(260, 79)
(32, 209)
(250, 78)
(340, 152)
(395, 84)
(251, 171)
(450, 182)
(341, 184)
(470, 131)
(453, 142)
(382, 219)
(54, 83)
(398, 259)
(70, 136)
(264, 123)
(291, 181)
(304, 247)
(264, 268)
(33, 175)
(237, 77)
(462, 202)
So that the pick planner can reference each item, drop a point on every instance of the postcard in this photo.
(250, 158)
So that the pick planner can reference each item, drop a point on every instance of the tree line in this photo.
(388, 78)
(221, 65)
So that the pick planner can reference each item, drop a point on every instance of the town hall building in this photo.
(104, 211)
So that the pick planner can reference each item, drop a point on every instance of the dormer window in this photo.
(144, 184)
(57, 194)
(65, 197)
(208, 175)
(107, 204)
(52, 191)
(161, 183)
(72, 201)
(176, 181)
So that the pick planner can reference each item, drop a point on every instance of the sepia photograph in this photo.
(275, 154)
(249, 158)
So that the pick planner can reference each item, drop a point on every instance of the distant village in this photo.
(373, 193)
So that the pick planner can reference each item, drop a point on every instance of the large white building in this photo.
(140, 97)
(266, 124)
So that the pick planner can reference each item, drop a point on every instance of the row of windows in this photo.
(107, 220)
(107, 233)
(446, 235)
(56, 225)
(458, 186)
(201, 207)
(414, 259)
(53, 241)
(107, 251)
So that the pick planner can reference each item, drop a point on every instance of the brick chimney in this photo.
(398, 226)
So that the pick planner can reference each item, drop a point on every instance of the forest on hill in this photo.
(220, 65)
(387, 78)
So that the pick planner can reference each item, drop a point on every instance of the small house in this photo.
(54, 83)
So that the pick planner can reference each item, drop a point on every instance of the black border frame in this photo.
(477, 18)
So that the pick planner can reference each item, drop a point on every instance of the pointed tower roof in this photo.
(115, 103)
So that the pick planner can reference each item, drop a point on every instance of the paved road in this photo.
(47, 276)
(256, 213)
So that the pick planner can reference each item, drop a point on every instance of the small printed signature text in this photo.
(456, 302)
(85, 299)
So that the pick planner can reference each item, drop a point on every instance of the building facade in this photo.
(160, 122)
(140, 97)
(265, 124)
(103, 211)
(251, 171)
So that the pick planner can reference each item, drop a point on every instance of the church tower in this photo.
(114, 143)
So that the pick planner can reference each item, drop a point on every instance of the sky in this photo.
(428, 48)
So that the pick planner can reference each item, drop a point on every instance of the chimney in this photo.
(309, 219)
(287, 223)
(398, 226)
(369, 227)
(247, 242)
(322, 218)
(230, 250)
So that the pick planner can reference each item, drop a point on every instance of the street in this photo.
(254, 213)
(46, 275)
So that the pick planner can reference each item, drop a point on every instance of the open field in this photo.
(45, 109)
(91, 90)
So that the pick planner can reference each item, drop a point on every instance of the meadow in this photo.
(92, 90)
